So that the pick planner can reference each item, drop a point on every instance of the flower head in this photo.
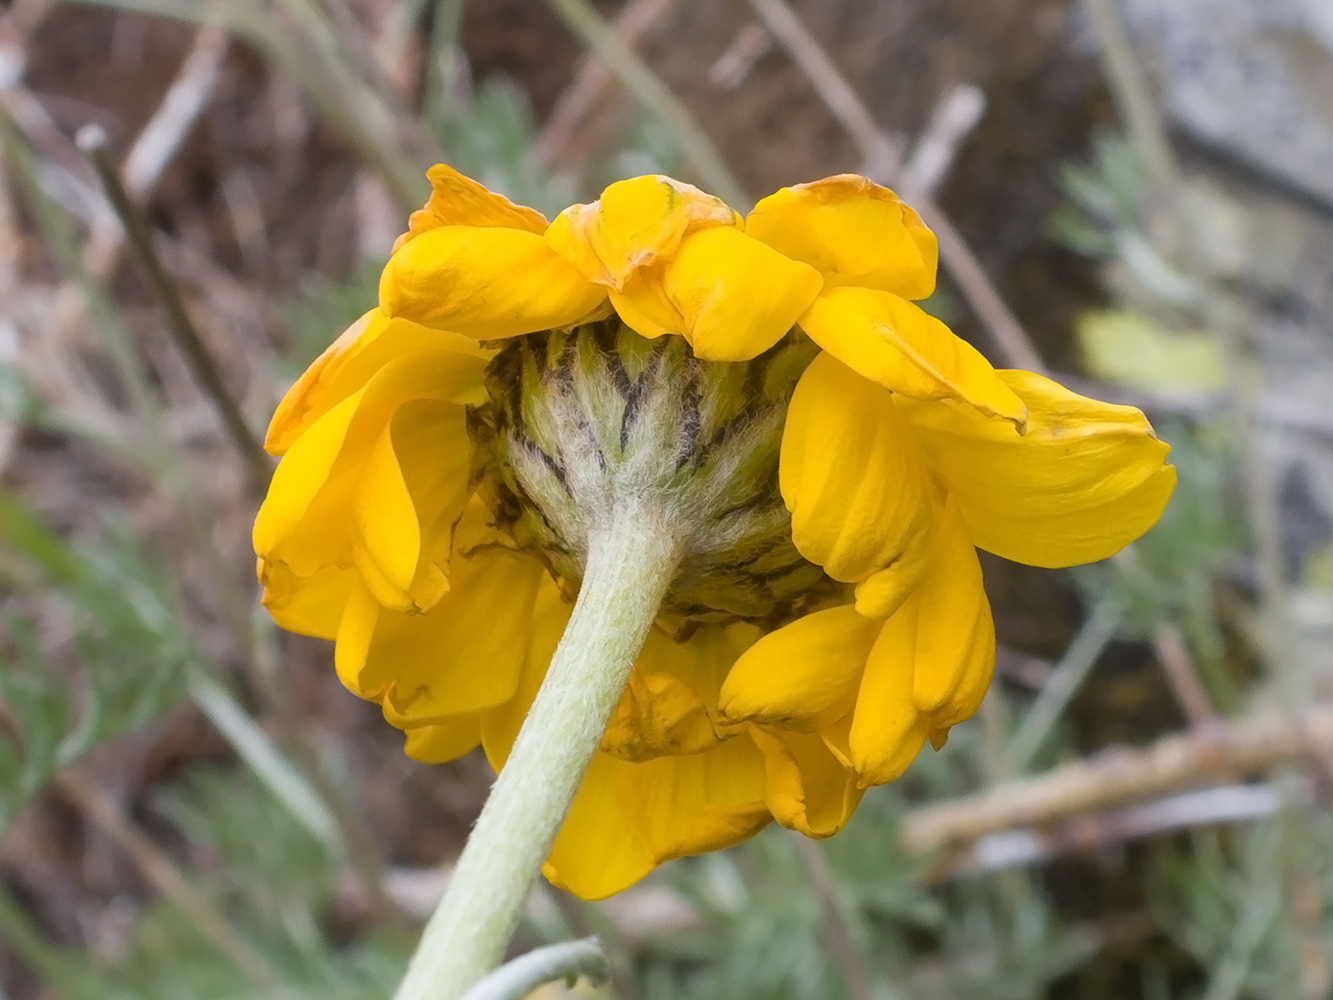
(827, 455)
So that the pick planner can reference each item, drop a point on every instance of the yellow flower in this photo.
(829, 453)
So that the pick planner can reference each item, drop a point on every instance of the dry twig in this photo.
(1120, 776)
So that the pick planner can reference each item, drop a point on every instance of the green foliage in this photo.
(1106, 197)
(131, 650)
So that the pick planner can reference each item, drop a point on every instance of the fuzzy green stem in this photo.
(631, 560)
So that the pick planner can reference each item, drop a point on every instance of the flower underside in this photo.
(585, 420)
(824, 457)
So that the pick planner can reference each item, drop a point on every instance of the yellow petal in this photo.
(850, 473)
(931, 664)
(441, 744)
(803, 674)
(306, 518)
(500, 725)
(308, 605)
(456, 200)
(668, 705)
(415, 480)
(736, 297)
(485, 283)
(853, 231)
(466, 654)
(808, 789)
(1084, 481)
(352, 360)
(628, 818)
(635, 223)
(597, 852)
(896, 344)
(355, 633)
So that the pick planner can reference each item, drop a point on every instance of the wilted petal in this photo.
(898, 345)
(931, 664)
(1084, 481)
(456, 200)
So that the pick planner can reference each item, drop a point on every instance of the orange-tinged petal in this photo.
(808, 789)
(485, 283)
(850, 473)
(1085, 480)
(930, 666)
(853, 231)
(443, 743)
(352, 360)
(456, 200)
(802, 675)
(901, 347)
(635, 224)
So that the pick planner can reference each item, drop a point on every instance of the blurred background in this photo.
(1135, 195)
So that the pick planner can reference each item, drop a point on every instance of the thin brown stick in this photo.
(837, 935)
(593, 80)
(165, 877)
(159, 140)
(1183, 675)
(93, 140)
(883, 162)
(1122, 776)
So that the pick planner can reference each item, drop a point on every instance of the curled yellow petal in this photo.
(930, 665)
(352, 360)
(808, 789)
(415, 480)
(456, 200)
(635, 224)
(801, 675)
(853, 231)
(443, 743)
(736, 297)
(897, 345)
(671, 699)
(1085, 479)
(485, 283)
(309, 605)
(850, 473)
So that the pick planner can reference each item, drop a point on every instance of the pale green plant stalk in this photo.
(632, 557)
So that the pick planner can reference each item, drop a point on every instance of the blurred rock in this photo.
(1252, 79)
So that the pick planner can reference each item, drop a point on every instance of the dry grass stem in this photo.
(650, 91)
(837, 935)
(556, 140)
(165, 877)
(883, 162)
